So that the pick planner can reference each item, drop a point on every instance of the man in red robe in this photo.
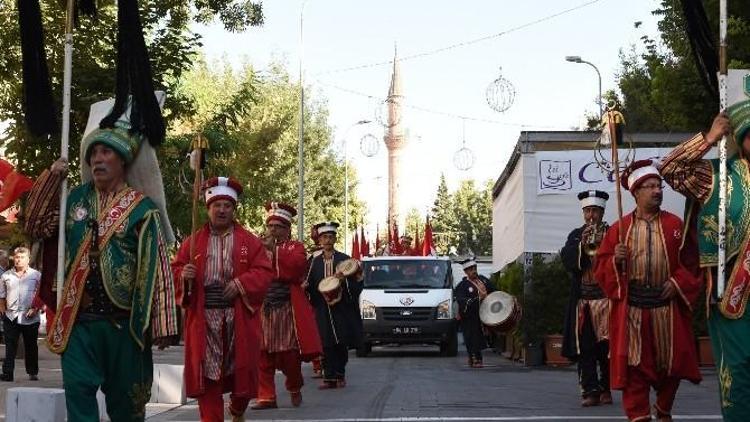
(290, 334)
(222, 289)
(652, 294)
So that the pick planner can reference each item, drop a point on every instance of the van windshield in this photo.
(406, 274)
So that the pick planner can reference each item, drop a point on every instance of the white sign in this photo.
(565, 172)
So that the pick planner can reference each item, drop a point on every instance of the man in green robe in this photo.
(118, 299)
(697, 178)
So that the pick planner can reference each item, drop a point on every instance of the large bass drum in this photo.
(500, 312)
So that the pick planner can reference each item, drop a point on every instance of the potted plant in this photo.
(700, 330)
(546, 300)
(510, 281)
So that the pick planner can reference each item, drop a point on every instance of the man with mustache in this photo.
(222, 289)
(290, 334)
(652, 296)
(586, 329)
(697, 178)
(118, 298)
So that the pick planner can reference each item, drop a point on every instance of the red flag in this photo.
(364, 245)
(14, 185)
(428, 247)
(417, 244)
(377, 238)
(396, 241)
(355, 246)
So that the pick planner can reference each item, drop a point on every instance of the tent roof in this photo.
(532, 141)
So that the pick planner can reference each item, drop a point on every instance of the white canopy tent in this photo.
(535, 202)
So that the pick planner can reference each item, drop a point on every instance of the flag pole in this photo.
(722, 241)
(64, 138)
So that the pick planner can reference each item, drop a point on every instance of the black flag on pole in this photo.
(702, 44)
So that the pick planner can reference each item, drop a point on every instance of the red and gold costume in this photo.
(222, 338)
(290, 335)
(651, 339)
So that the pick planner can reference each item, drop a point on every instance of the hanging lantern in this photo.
(500, 94)
(382, 114)
(463, 159)
(369, 145)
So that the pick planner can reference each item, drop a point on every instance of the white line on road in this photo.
(478, 418)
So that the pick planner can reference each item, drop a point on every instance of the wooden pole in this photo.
(64, 141)
(722, 240)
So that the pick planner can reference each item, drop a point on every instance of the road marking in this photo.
(465, 418)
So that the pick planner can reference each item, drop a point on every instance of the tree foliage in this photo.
(172, 48)
(251, 120)
(462, 220)
(659, 82)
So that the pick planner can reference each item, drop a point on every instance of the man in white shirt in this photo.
(20, 307)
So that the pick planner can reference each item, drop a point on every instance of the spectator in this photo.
(18, 288)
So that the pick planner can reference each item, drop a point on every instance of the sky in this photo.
(525, 43)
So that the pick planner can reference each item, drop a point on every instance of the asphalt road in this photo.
(417, 384)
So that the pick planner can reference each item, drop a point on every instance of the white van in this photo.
(408, 299)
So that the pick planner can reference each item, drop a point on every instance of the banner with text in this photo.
(565, 172)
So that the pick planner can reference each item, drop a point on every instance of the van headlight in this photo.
(444, 310)
(367, 309)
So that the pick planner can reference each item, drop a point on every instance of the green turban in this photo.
(739, 117)
(119, 139)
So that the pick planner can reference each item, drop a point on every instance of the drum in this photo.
(500, 312)
(348, 267)
(330, 288)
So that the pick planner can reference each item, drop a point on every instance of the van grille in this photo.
(408, 314)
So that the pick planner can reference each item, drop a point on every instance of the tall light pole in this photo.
(577, 59)
(346, 184)
(301, 142)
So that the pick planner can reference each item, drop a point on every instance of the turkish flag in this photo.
(428, 247)
(355, 246)
(364, 245)
(14, 185)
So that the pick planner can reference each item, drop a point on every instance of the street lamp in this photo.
(300, 143)
(346, 184)
(578, 59)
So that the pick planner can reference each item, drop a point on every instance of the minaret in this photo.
(395, 142)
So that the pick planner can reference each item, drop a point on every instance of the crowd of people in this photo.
(636, 283)
(254, 305)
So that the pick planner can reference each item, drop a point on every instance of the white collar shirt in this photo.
(19, 291)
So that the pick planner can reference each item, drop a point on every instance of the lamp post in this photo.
(346, 184)
(578, 59)
(300, 143)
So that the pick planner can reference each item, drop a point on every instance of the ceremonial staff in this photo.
(612, 125)
(197, 162)
(722, 240)
(64, 137)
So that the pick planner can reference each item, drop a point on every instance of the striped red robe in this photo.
(614, 282)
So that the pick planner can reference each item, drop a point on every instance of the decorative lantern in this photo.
(500, 94)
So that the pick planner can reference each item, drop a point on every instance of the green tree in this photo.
(660, 85)
(443, 219)
(473, 218)
(172, 49)
(253, 137)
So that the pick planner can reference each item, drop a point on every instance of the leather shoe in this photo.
(6, 377)
(264, 405)
(341, 383)
(33, 377)
(590, 401)
(478, 364)
(605, 397)
(296, 398)
(327, 385)
(317, 374)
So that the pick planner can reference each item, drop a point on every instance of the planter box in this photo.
(705, 352)
(553, 349)
(533, 355)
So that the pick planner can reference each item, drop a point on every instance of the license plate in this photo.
(406, 330)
